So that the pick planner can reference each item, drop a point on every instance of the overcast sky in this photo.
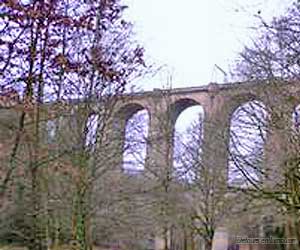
(188, 37)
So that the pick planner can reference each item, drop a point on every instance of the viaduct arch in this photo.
(218, 101)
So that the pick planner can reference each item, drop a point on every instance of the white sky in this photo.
(188, 37)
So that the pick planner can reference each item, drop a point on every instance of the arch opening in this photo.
(51, 128)
(91, 130)
(247, 137)
(187, 143)
(296, 118)
(135, 141)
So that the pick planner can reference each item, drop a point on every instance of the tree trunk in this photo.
(37, 236)
(185, 240)
(291, 232)
(208, 244)
(193, 245)
(166, 238)
(81, 225)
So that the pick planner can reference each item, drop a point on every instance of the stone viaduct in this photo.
(219, 101)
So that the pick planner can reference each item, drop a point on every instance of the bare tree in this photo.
(62, 50)
(209, 200)
(272, 165)
(187, 198)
